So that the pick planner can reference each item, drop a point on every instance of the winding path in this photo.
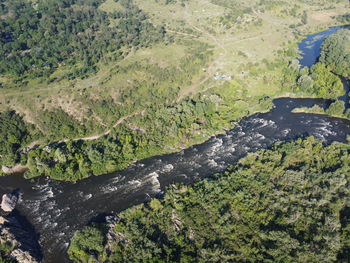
(97, 136)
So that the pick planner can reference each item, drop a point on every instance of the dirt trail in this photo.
(222, 44)
(211, 68)
(91, 137)
(203, 32)
(181, 33)
(18, 168)
(97, 136)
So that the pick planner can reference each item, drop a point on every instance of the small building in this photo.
(223, 77)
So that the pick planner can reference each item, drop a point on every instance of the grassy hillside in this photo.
(286, 204)
(141, 85)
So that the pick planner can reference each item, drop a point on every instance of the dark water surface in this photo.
(310, 47)
(58, 209)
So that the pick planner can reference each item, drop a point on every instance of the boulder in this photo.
(17, 169)
(23, 256)
(6, 169)
(9, 202)
(3, 220)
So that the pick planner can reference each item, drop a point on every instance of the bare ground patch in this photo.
(324, 16)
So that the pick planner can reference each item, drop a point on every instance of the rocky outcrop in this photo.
(6, 170)
(21, 238)
(9, 201)
(17, 169)
(113, 237)
(23, 256)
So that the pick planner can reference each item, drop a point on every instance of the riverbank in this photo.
(16, 169)
(337, 113)
(165, 127)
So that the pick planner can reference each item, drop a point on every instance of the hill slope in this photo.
(175, 72)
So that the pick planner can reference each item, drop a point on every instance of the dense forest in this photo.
(38, 37)
(14, 135)
(316, 81)
(335, 52)
(286, 204)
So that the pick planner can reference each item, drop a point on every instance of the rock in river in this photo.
(9, 201)
(21, 238)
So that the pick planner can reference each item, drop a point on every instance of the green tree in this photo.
(86, 245)
(335, 52)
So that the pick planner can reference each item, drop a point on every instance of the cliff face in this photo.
(20, 238)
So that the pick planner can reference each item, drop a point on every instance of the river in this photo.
(58, 209)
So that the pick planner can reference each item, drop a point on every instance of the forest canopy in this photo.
(38, 37)
(14, 134)
(335, 52)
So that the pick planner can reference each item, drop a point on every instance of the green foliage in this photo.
(5, 251)
(314, 109)
(335, 52)
(6, 259)
(238, 15)
(38, 37)
(345, 19)
(304, 18)
(14, 134)
(74, 160)
(290, 76)
(58, 124)
(318, 81)
(326, 84)
(86, 244)
(336, 108)
(287, 204)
